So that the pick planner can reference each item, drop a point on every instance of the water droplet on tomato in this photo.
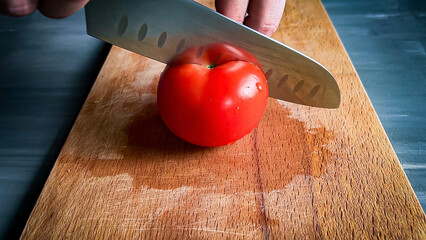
(236, 110)
(259, 87)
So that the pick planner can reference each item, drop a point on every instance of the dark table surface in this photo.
(47, 68)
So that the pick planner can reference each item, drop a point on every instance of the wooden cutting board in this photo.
(303, 173)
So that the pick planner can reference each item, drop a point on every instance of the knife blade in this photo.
(159, 29)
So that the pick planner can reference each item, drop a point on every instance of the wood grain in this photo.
(303, 173)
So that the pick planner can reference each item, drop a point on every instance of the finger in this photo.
(60, 8)
(265, 15)
(18, 8)
(234, 9)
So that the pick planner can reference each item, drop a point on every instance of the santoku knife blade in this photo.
(159, 29)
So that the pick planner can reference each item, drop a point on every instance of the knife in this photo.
(159, 29)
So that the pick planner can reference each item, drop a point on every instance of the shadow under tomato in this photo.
(148, 133)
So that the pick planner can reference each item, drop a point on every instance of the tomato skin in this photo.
(212, 107)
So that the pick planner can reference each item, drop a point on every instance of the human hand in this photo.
(49, 8)
(263, 15)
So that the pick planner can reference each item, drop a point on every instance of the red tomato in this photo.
(215, 101)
